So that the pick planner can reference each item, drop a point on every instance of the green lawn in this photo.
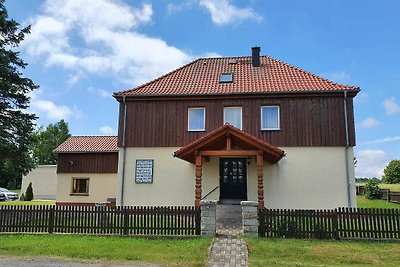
(167, 252)
(295, 252)
(28, 203)
(363, 202)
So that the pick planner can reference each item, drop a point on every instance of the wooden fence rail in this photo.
(164, 221)
(386, 194)
(342, 223)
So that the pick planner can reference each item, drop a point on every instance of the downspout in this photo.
(123, 152)
(346, 155)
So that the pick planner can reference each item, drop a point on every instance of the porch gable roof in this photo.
(225, 141)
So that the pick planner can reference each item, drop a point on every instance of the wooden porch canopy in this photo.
(228, 140)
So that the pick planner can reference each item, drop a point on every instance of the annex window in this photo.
(196, 119)
(226, 77)
(80, 186)
(270, 118)
(233, 116)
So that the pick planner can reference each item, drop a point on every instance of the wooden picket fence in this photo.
(342, 223)
(159, 221)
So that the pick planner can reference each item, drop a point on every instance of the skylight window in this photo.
(226, 77)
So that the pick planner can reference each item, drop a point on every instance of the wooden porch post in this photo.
(197, 197)
(260, 180)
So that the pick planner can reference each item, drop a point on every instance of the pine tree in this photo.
(29, 193)
(16, 126)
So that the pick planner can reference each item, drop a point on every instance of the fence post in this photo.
(51, 220)
(197, 220)
(126, 219)
(250, 222)
(335, 230)
(208, 217)
(388, 195)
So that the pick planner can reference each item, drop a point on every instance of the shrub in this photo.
(372, 190)
(29, 193)
(22, 197)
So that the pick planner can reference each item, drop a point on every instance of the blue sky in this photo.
(80, 52)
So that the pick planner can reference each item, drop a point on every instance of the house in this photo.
(87, 170)
(231, 129)
(44, 182)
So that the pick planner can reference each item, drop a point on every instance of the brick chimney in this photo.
(255, 56)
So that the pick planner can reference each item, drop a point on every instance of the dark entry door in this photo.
(233, 178)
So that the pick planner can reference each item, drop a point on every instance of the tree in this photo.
(46, 140)
(16, 126)
(392, 172)
(29, 193)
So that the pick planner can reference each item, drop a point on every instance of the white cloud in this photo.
(223, 12)
(337, 77)
(370, 123)
(371, 163)
(83, 38)
(49, 109)
(391, 106)
(107, 130)
(99, 92)
(383, 140)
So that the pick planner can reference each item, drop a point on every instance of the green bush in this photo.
(22, 197)
(29, 193)
(372, 190)
(392, 172)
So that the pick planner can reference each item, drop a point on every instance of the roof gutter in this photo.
(123, 153)
(346, 151)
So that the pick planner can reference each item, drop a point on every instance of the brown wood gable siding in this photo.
(88, 162)
(304, 121)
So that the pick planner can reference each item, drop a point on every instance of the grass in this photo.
(28, 203)
(363, 202)
(167, 252)
(295, 252)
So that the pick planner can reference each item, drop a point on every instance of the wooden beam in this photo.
(199, 173)
(229, 153)
(228, 141)
(260, 181)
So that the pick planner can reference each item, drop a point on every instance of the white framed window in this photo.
(196, 119)
(270, 118)
(233, 116)
(80, 186)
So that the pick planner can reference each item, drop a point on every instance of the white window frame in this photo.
(204, 120)
(241, 115)
(279, 120)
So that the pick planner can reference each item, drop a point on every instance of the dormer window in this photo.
(226, 77)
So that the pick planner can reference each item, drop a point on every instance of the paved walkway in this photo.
(228, 248)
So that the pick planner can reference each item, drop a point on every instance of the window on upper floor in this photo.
(226, 77)
(233, 116)
(270, 118)
(196, 119)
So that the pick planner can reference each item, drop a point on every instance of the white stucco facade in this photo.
(44, 182)
(101, 187)
(306, 178)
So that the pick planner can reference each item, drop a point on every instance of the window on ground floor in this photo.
(80, 186)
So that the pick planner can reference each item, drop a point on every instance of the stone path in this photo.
(228, 248)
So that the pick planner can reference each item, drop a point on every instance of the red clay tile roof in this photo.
(201, 77)
(79, 144)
